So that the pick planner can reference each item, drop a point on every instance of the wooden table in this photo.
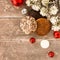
(14, 44)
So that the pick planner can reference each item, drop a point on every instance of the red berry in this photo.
(17, 2)
(57, 34)
(51, 54)
(32, 40)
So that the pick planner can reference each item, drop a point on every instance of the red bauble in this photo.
(51, 54)
(17, 2)
(32, 40)
(56, 34)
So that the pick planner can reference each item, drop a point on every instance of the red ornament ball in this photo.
(56, 34)
(32, 40)
(51, 54)
(17, 2)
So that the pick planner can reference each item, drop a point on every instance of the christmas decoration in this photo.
(24, 11)
(17, 2)
(53, 10)
(45, 2)
(44, 11)
(32, 40)
(56, 34)
(55, 20)
(46, 8)
(36, 17)
(44, 43)
(51, 54)
(43, 7)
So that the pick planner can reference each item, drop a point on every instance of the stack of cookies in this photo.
(41, 26)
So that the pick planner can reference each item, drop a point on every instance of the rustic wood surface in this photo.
(15, 45)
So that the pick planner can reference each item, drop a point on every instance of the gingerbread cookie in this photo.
(43, 26)
(28, 25)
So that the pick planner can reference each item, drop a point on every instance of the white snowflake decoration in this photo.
(44, 11)
(24, 11)
(53, 10)
(54, 20)
(45, 2)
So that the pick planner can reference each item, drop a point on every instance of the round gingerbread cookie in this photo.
(43, 26)
(28, 24)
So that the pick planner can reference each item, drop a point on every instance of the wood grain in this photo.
(15, 45)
